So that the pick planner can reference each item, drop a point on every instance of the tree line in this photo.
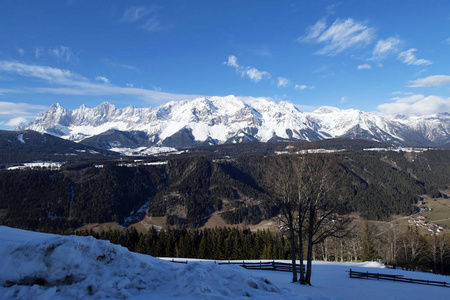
(397, 247)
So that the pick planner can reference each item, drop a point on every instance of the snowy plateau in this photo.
(230, 119)
(46, 266)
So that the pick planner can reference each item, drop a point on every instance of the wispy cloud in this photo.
(52, 75)
(341, 35)
(112, 63)
(252, 73)
(19, 109)
(151, 25)
(16, 113)
(383, 48)
(302, 87)
(102, 79)
(418, 105)
(144, 16)
(435, 80)
(409, 58)
(20, 51)
(8, 91)
(283, 82)
(135, 13)
(402, 93)
(63, 53)
(447, 41)
(364, 67)
(37, 52)
(68, 83)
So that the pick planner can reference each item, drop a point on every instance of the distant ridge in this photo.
(223, 120)
(29, 146)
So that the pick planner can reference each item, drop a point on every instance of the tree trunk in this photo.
(311, 221)
(309, 261)
(300, 254)
(293, 253)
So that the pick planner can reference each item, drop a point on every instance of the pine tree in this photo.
(368, 252)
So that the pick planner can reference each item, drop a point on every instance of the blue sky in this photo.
(381, 56)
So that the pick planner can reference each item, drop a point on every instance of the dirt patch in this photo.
(99, 227)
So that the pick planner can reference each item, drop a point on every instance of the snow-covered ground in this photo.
(44, 266)
(38, 165)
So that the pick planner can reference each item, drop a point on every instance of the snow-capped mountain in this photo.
(219, 120)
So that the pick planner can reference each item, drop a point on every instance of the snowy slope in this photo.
(218, 120)
(44, 266)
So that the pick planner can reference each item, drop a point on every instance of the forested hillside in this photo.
(27, 146)
(189, 190)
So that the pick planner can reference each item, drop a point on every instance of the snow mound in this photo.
(77, 267)
(45, 266)
(207, 280)
(372, 264)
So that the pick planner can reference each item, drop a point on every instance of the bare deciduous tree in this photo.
(309, 196)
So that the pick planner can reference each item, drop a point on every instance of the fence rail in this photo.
(265, 265)
(261, 265)
(378, 276)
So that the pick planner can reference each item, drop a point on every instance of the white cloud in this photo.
(74, 84)
(302, 87)
(102, 79)
(20, 109)
(250, 72)
(63, 53)
(16, 113)
(7, 91)
(16, 121)
(364, 66)
(341, 35)
(255, 74)
(402, 93)
(314, 31)
(418, 105)
(409, 58)
(232, 61)
(447, 41)
(50, 74)
(343, 99)
(435, 80)
(385, 47)
(283, 82)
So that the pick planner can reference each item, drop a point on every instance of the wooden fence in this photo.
(378, 276)
(261, 265)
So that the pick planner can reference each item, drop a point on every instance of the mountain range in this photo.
(230, 119)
